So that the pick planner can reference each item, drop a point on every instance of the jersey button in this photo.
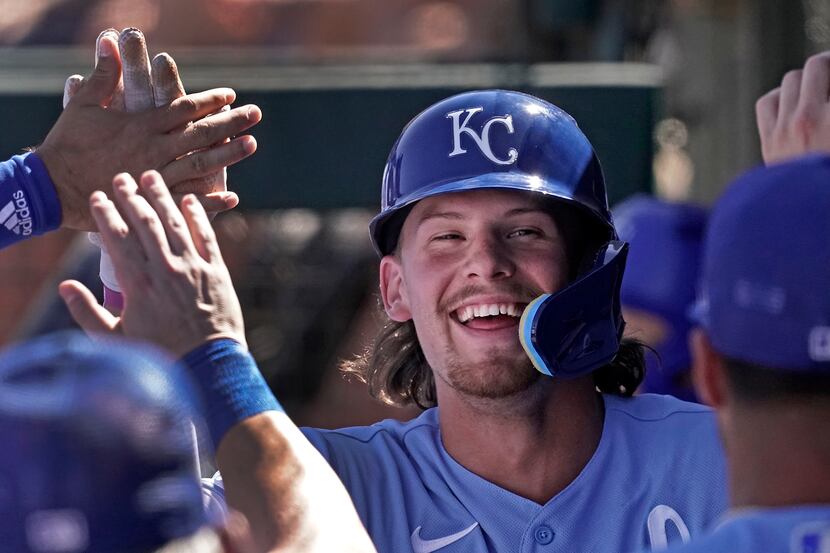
(543, 535)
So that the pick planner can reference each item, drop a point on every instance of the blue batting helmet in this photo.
(666, 239)
(98, 448)
(509, 140)
(489, 139)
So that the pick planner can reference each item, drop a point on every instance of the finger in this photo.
(200, 229)
(215, 129)
(218, 181)
(128, 257)
(138, 87)
(142, 220)
(71, 87)
(111, 34)
(213, 203)
(85, 310)
(193, 107)
(204, 162)
(99, 88)
(815, 83)
(117, 100)
(158, 196)
(790, 90)
(167, 85)
(766, 112)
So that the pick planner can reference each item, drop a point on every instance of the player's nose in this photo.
(488, 258)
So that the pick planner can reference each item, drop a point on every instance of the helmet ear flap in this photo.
(577, 330)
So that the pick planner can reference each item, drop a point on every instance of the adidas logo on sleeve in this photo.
(16, 215)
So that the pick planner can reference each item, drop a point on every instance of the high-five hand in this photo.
(92, 141)
(178, 291)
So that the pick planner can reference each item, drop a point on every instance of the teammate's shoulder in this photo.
(656, 407)
(799, 529)
(386, 429)
(725, 538)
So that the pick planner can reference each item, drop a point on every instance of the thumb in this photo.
(99, 87)
(71, 87)
(84, 308)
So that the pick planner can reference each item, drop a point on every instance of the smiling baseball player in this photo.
(493, 207)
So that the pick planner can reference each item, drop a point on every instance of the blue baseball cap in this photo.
(765, 290)
(98, 448)
(666, 240)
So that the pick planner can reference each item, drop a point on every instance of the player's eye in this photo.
(446, 236)
(523, 232)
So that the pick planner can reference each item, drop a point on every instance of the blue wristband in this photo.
(230, 384)
(29, 204)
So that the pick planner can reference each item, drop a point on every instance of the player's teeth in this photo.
(470, 312)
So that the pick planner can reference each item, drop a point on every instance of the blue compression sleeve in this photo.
(28, 200)
(230, 383)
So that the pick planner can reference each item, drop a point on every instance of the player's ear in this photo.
(393, 289)
(708, 371)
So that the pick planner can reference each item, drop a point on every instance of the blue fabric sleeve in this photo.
(28, 201)
(230, 384)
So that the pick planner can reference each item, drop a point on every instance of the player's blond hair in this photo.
(394, 367)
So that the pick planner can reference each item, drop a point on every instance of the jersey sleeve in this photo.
(29, 203)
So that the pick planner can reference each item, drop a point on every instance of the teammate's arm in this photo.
(169, 260)
(794, 118)
(28, 201)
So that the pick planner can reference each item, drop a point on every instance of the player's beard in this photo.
(501, 376)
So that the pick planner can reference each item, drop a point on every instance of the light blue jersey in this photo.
(784, 530)
(657, 477)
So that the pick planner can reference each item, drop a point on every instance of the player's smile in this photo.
(471, 314)
(489, 331)
(489, 314)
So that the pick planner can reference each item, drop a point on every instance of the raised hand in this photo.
(92, 141)
(178, 292)
(794, 118)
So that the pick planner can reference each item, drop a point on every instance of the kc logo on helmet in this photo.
(482, 140)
